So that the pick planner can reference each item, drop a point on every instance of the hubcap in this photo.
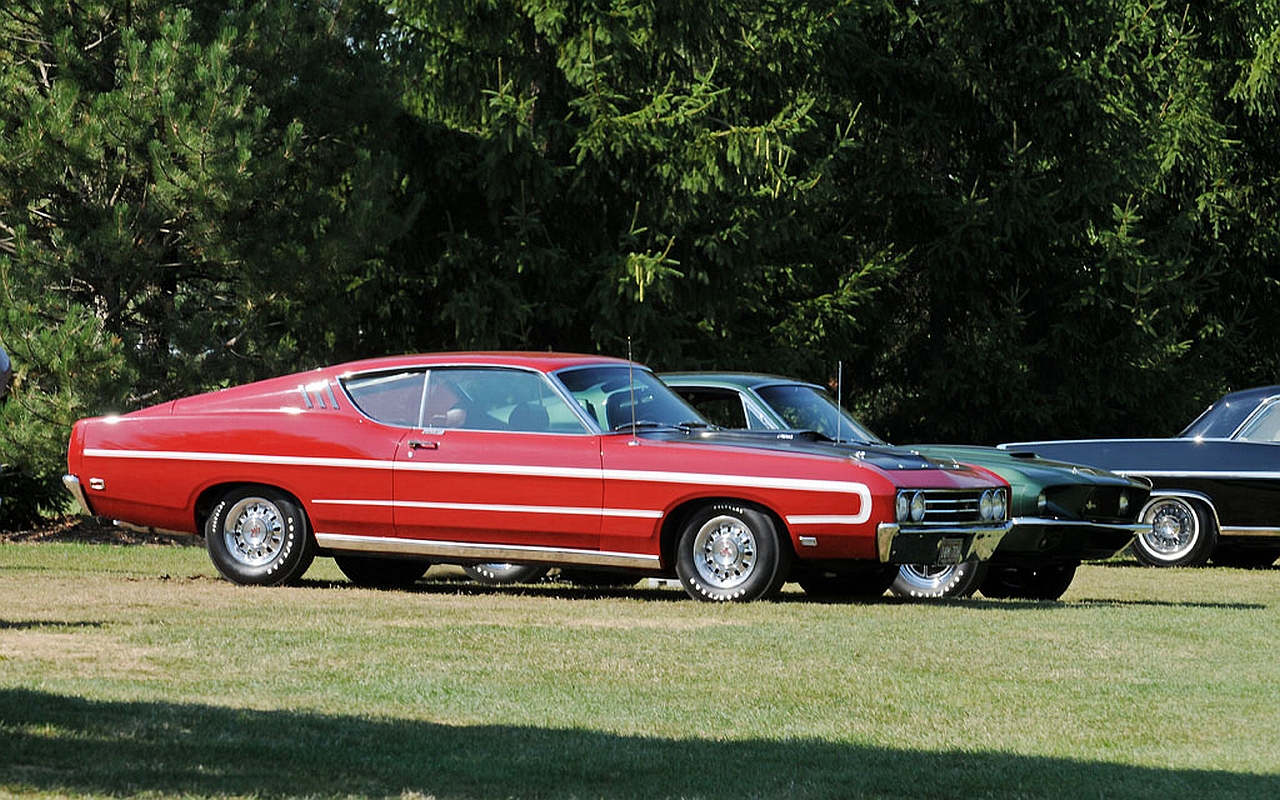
(1174, 528)
(254, 531)
(724, 552)
(926, 577)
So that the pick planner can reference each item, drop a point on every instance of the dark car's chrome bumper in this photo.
(1074, 540)
(919, 544)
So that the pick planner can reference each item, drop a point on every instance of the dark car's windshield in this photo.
(616, 396)
(807, 408)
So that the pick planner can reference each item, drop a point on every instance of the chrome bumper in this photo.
(937, 545)
(72, 483)
(1132, 528)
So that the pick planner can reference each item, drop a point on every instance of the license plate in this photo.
(949, 551)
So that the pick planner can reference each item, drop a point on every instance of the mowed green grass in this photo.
(136, 672)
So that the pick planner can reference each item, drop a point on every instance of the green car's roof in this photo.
(1025, 470)
(737, 380)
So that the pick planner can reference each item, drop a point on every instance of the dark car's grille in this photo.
(1112, 504)
(1104, 503)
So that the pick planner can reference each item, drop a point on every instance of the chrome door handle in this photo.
(415, 445)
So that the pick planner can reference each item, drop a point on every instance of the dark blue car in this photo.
(1216, 485)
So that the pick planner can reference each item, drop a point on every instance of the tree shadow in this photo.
(65, 745)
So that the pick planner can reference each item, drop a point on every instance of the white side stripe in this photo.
(628, 513)
(825, 519)
(531, 470)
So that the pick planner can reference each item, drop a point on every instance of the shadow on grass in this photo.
(568, 591)
(64, 745)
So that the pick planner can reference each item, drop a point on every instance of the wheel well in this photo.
(675, 522)
(209, 498)
(1201, 504)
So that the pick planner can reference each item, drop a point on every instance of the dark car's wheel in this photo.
(855, 583)
(1046, 582)
(502, 574)
(1181, 534)
(257, 535)
(376, 572)
(728, 552)
(926, 582)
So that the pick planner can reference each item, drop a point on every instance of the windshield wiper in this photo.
(648, 424)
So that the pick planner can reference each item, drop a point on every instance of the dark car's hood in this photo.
(1022, 467)
(884, 457)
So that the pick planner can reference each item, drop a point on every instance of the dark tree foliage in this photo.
(187, 195)
(1077, 191)
(600, 172)
(999, 220)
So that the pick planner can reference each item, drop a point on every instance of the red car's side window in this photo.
(390, 398)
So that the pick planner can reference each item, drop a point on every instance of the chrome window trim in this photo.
(1264, 407)
(548, 379)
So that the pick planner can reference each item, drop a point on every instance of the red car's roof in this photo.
(547, 362)
(266, 393)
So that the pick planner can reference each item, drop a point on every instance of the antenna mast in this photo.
(839, 396)
(631, 384)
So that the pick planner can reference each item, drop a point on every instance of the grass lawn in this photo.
(136, 672)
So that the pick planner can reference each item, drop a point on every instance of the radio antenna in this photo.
(631, 384)
(839, 396)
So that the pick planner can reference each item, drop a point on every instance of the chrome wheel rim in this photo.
(725, 552)
(927, 578)
(254, 532)
(1174, 529)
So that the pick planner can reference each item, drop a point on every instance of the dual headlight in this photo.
(992, 506)
(910, 507)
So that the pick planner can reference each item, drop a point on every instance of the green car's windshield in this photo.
(617, 396)
(807, 408)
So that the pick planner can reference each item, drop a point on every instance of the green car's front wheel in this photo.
(926, 582)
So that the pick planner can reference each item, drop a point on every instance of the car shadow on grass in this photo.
(567, 591)
(66, 745)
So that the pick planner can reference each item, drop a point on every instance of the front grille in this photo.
(950, 506)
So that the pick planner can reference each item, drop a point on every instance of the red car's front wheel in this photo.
(728, 552)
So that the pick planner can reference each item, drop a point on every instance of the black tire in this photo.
(930, 582)
(731, 553)
(259, 536)
(497, 574)
(1045, 582)
(1244, 556)
(1182, 533)
(857, 583)
(376, 572)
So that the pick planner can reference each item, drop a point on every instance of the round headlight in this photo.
(998, 506)
(917, 507)
(986, 504)
(902, 507)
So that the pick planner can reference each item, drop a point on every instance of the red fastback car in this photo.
(391, 464)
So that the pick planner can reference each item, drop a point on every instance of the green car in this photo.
(1063, 514)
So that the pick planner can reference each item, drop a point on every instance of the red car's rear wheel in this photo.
(257, 535)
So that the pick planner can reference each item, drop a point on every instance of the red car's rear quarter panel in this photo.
(155, 468)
